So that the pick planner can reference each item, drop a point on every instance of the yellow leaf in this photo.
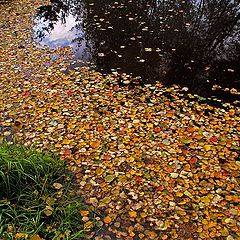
(212, 224)
(207, 147)
(57, 145)
(57, 185)
(205, 200)
(35, 237)
(204, 221)
(122, 178)
(179, 194)
(48, 211)
(88, 224)
(99, 171)
(20, 235)
(143, 215)
(109, 178)
(224, 232)
(132, 214)
(50, 201)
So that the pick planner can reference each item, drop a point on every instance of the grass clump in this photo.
(37, 200)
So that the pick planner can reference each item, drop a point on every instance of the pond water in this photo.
(194, 43)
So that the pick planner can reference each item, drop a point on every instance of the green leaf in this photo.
(185, 140)
(109, 178)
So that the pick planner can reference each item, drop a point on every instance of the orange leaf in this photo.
(84, 213)
(190, 130)
(66, 141)
(20, 235)
(95, 144)
(228, 198)
(160, 188)
(107, 219)
(109, 94)
(67, 152)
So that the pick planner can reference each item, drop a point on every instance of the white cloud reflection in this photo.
(61, 35)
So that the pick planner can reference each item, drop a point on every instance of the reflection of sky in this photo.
(61, 35)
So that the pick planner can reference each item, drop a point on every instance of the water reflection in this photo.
(194, 43)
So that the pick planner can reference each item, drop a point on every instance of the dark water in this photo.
(194, 43)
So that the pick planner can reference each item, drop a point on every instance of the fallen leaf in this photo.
(48, 211)
(157, 129)
(57, 186)
(107, 219)
(132, 214)
(207, 147)
(109, 178)
(84, 213)
(66, 141)
(35, 237)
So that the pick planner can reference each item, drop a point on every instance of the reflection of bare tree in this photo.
(194, 42)
(51, 14)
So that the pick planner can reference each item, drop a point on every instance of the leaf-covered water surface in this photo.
(192, 43)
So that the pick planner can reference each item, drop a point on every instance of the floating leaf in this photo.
(66, 141)
(157, 129)
(109, 178)
(185, 140)
(138, 179)
(101, 54)
(207, 147)
(132, 214)
(107, 219)
(193, 160)
(166, 142)
(174, 175)
(214, 139)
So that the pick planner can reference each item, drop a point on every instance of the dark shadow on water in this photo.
(192, 43)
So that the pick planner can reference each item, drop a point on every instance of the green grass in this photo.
(29, 202)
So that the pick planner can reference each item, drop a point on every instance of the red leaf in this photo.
(70, 92)
(26, 94)
(190, 130)
(193, 160)
(100, 129)
(67, 152)
(160, 188)
(225, 174)
(138, 179)
(213, 139)
(109, 94)
(157, 129)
